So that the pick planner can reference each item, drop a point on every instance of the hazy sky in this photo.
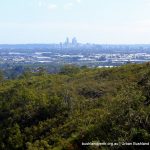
(96, 21)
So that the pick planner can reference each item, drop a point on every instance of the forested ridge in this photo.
(40, 111)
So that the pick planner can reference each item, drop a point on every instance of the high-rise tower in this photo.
(67, 41)
(74, 41)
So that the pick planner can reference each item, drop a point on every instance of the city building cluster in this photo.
(69, 44)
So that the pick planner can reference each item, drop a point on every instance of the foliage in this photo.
(60, 111)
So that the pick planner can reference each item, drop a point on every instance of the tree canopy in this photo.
(61, 111)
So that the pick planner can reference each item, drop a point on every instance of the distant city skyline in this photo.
(96, 21)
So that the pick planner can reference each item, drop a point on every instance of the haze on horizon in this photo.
(94, 21)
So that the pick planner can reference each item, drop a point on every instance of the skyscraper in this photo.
(74, 41)
(67, 41)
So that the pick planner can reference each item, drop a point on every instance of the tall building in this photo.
(74, 41)
(67, 41)
(68, 44)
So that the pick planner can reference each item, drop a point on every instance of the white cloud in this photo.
(46, 4)
(41, 3)
(146, 2)
(78, 1)
(52, 7)
(68, 6)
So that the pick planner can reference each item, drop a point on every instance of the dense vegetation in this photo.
(39, 111)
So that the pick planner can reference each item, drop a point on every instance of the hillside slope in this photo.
(59, 112)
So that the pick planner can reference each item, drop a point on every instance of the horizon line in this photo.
(78, 43)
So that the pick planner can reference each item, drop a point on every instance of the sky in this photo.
(90, 21)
